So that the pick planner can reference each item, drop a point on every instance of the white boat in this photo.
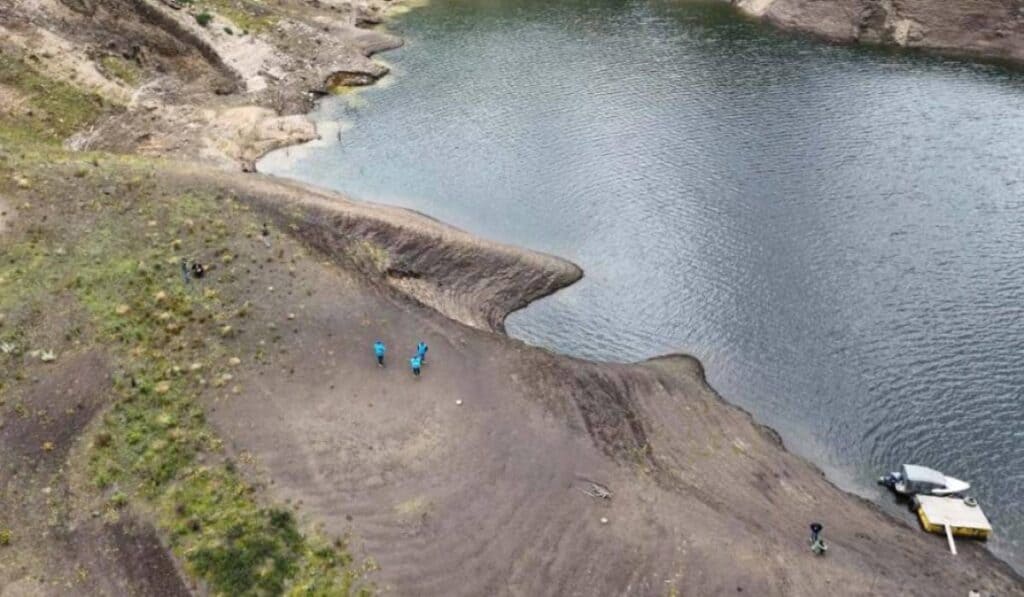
(913, 479)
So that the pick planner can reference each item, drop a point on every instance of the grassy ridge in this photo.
(52, 110)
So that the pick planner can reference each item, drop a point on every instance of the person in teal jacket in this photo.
(415, 363)
(421, 351)
(379, 349)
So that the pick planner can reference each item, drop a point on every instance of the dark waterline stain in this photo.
(836, 232)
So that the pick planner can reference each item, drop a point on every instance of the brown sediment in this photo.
(992, 29)
(469, 279)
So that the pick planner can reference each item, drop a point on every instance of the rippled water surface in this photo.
(837, 232)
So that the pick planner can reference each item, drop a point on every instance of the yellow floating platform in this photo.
(963, 519)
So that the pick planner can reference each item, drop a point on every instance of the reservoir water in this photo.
(838, 233)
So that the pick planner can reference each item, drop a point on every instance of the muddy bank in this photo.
(991, 29)
(471, 280)
(706, 500)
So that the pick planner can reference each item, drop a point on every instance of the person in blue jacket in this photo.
(415, 364)
(421, 351)
(379, 349)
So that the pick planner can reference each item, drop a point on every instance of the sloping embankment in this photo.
(468, 279)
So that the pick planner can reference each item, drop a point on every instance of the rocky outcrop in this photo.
(223, 89)
(984, 28)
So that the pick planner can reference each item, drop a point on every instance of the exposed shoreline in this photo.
(471, 280)
(706, 499)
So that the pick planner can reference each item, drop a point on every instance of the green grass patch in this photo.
(246, 14)
(204, 18)
(57, 109)
(120, 68)
(114, 256)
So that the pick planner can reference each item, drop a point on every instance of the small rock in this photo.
(226, 330)
(235, 361)
(48, 446)
(604, 520)
(291, 316)
(163, 387)
(458, 403)
(195, 366)
(23, 183)
(160, 296)
(47, 356)
(122, 309)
